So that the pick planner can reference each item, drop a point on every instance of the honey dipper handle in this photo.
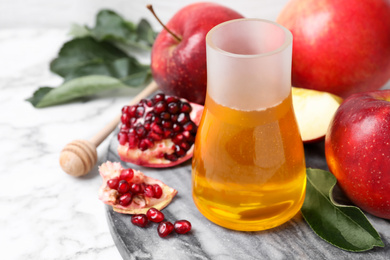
(99, 137)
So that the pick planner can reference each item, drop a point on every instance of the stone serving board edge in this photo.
(292, 240)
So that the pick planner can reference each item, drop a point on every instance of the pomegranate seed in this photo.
(146, 102)
(171, 99)
(124, 128)
(159, 97)
(142, 188)
(140, 131)
(125, 119)
(139, 220)
(148, 125)
(125, 109)
(183, 118)
(166, 124)
(186, 108)
(155, 215)
(125, 199)
(157, 128)
(176, 128)
(133, 141)
(126, 174)
(185, 146)
(165, 228)
(133, 120)
(182, 226)
(157, 191)
(135, 188)
(177, 139)
(145, 144)
(157, 120)
(132, 131)
(154, 136)
(173, 108)
(165, 116)
(179, 151)
(148, 191)
(122, 138)
(171, 157)
(149, 116)
(188, 137)
(168, 133)
(132, 111)
(190, 127)
(113, 183)
(123, 187)
(160, 107)
(139, 112)
(174, 118)
(186, 134)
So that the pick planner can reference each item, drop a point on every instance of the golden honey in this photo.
(248, 170)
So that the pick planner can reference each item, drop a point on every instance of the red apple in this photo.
(179, 66)
(357, 149)
(341, 47)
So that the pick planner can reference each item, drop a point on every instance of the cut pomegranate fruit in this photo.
(131, 197)
(139, 220)
(155, 215)
(182, 226)
(165, 228)
(159, 132)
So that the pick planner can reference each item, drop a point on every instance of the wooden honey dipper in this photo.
(80, 156)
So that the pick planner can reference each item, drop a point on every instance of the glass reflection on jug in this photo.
(248, 170)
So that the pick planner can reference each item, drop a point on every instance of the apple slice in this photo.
(314, 110)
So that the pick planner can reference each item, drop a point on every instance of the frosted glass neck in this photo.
(249, 63)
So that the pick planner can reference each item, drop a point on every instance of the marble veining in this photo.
(44, 213)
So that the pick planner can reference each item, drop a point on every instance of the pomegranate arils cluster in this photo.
(151, 121)
(126, 189)
(165, 227)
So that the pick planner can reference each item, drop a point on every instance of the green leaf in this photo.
(76, 88)
(112, 27)
(145, 32)
(38, 95)
(79, 31)
(109, 25)
(86, 54)
(343, 226)
(98, 59)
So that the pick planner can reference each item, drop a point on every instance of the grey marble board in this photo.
(292, 240)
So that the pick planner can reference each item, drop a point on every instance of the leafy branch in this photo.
(98, 59)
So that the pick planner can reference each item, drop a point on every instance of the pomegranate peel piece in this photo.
(159, 132)
(140, 203)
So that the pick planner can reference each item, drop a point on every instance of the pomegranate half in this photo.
(158, 132)
(129, 200)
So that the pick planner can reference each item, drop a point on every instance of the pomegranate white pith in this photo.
(140, 203)
(158, 132)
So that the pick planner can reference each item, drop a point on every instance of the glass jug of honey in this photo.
(248, 169)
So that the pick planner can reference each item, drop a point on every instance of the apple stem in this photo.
(150, 7)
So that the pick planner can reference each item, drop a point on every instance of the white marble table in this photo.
(44, 213)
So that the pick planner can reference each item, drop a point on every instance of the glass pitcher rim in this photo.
(288, 39)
